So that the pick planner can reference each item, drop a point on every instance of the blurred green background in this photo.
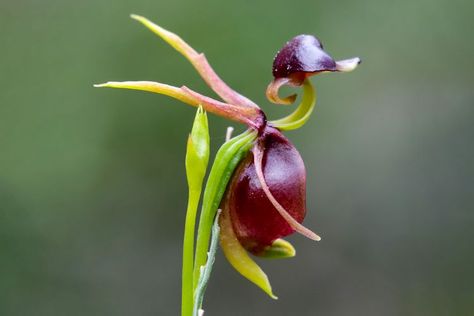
(92, 183)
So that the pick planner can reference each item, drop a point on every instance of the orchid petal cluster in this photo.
(262, 186)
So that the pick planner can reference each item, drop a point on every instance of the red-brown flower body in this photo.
(255, 219)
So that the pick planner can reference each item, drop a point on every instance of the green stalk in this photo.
(188, 253)
(206, 269)
(197, 157)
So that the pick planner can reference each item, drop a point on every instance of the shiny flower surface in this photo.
(256, 220)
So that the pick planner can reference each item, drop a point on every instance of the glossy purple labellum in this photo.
(256, 221)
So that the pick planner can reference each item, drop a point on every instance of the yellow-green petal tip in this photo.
(136, 16)
(279, 249)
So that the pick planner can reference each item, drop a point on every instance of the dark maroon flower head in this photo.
(301, 55)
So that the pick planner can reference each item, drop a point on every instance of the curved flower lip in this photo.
(301, 57)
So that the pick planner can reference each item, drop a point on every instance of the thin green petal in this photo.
(239, 258)
(151, 86)
(186, 95)
(171, 38)
(302, 113)
(200, 63)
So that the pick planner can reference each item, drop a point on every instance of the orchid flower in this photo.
(258, 178)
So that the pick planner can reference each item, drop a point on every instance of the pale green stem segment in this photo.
(205, 272)
(200, 63)
(197, 158)
(188, 254)
(302, 113)
(239, 258)
(227, 159)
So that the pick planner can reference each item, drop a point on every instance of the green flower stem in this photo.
(197, 157)
(206, 269)
(188, 253)
(227, 159)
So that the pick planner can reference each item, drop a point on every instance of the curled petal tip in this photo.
(348, 65)
(276, 99)
(100, 85)
(274, 87)
(302, 113)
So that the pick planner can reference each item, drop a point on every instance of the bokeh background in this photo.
(92, 183)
